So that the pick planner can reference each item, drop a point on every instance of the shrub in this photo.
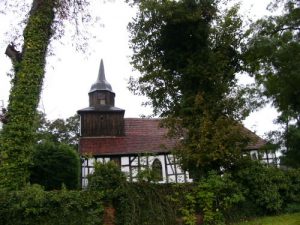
(263, 186)
(33, 206)
(141, 203)
(217, 195)
(55, 165)
(292, 194)
(107, 178)
(146, 204)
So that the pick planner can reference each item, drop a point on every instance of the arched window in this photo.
(157, 169)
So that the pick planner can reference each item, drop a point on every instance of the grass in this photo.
(286, 219)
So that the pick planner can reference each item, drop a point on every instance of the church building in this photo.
(133, 143)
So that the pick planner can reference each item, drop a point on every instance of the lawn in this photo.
(287, 219)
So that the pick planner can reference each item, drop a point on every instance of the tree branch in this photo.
(12, 53)
(286, 28)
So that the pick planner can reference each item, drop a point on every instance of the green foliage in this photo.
(285, 219)
(107, 178)
(292, 208)
(188, 210)
(60, 130)
(211, 144)
(33, 205)
(264, 187)
(44, 20)
(18, 134)
(143, 202)
(148, 175)
(55, 165)
(146, 203)
(292, 194)
(188, 53)
(291, 155)
(273, 57)
(136, 203)
(217, 196)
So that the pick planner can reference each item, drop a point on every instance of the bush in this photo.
(55, 165)
(264, 187)
(106, 177)
(217, 195)
(292, 194)
(33, 206)
(140, 203)
(147, 204)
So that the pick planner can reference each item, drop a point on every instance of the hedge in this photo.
(33, 206)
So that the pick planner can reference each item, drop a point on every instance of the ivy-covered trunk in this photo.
(18, 134)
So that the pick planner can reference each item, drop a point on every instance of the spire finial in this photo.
(101, 83)
(101, 74)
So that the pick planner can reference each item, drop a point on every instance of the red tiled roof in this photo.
(255, 142)
(141, 136)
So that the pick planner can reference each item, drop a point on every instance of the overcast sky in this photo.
(69, 74)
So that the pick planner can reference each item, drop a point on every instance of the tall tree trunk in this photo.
(19, 133)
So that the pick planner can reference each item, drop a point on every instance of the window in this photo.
(102, 101)
(157, 169)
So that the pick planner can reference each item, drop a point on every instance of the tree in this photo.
(188, 53)
(44, 20)
(55, 160)
(291, 156)
(273, 57)
(55, 164)
(60, 130)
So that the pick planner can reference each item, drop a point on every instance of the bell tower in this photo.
(101, 118)
(101, 92)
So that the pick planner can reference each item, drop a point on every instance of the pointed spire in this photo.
(101, 74)
(101, 83)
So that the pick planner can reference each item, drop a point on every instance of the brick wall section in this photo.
(109, 216)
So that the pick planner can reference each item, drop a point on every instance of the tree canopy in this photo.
(59, 130)
(188, 53)
(273, 57)
(54, 165)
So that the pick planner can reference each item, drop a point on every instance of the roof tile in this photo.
(141, 136)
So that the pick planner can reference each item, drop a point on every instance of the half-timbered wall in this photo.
(131, 165)
(264, 156)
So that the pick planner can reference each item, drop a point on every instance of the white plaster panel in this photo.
(91, 161)
(91, 170)
(85, 162)
(135, 161)
(100, 160)
(125, 169)
(172, 179)
(180, 178)
(143, 160)
(134, 171)
(170, 169)
(124, 160)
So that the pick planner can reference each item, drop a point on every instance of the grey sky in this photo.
(70, 74)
